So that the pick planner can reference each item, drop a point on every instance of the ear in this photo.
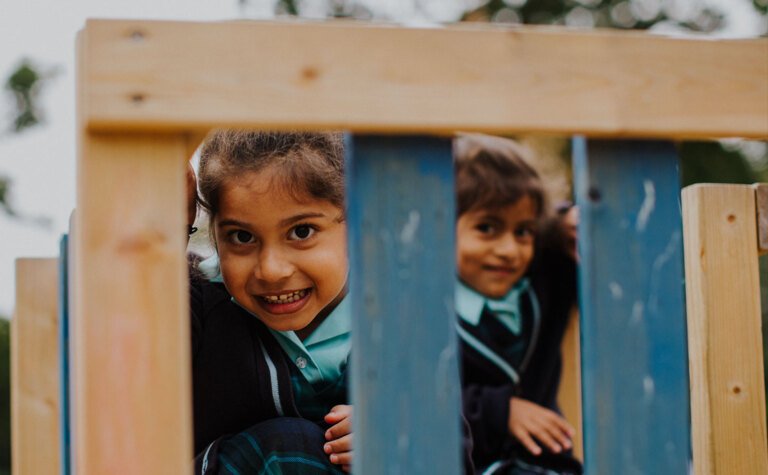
(191, 195)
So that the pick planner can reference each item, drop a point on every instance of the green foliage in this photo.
(288, 7)
(761, 6)
(711, 162)
(5, 185)
(592, 13)
(24, 83)
(5, 397)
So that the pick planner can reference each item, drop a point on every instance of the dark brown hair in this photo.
(309, 164)
(491, 173)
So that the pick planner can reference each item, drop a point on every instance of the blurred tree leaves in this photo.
(623, 14)
(24, 84)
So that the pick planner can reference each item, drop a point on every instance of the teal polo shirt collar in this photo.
(322, 356)
(470, 304)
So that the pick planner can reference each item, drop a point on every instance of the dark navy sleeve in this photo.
(486, 409)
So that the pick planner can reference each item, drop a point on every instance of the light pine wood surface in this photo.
(36, 385)
(176, 76)
(131, 360)
(724, 337)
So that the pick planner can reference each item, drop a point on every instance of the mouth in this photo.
(501, 269)
(284, 302)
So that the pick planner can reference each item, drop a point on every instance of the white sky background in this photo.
(41, 161)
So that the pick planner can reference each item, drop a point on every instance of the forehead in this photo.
(521, 210)
(259, 196)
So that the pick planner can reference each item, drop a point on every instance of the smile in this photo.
(285, 298)
(500, 269)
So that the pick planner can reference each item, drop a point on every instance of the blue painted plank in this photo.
(634, 344)
(64, 352)
(405, 377)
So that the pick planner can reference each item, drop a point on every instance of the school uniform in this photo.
(258, 395)
(511, 347)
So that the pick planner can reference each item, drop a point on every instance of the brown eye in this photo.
(241, 237)
(301, 232)
(486, 228)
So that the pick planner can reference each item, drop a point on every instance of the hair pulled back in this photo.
(307, 164)
(491, 173)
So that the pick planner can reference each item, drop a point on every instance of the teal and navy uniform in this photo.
(511, 347)
(247, 417)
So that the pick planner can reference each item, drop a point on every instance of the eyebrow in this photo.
(300, 217)
(233, 222)
(285, 222)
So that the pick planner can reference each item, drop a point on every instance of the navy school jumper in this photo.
(240, 374)
(487, 387)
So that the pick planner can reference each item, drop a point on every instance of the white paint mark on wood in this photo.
(649, 203)
(408, 234)
(616, 291)
(649, 389)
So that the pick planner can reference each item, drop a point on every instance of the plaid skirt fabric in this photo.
(282, 446)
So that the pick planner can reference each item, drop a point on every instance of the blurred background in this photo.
(37, 109)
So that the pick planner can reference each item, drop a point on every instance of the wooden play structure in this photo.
(661, 391)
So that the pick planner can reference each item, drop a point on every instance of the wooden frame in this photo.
(35, 385)
(146, 87)
(142, 76)
(724, 321)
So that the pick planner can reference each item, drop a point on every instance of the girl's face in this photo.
(495, 247)
(281, 258)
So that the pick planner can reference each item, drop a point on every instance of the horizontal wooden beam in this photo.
(175, 76)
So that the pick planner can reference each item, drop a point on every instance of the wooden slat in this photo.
(131, 360)
(35, 405)
(761, 207)
(405, 376)
(723, 295)
(634, 357)
(569, 393)
(178, 76)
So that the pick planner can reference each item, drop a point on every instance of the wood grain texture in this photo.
(35, 394)
(405, 374)
(632, 307)
(761, 205)
(131, 357)
(569, 393)
(724, 330)
(175, 76)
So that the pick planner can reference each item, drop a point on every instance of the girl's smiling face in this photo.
(283, 259)
(495, 247)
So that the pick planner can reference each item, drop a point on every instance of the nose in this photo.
(507, 247)
(273, 265)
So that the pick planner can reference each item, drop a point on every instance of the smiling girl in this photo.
(271, 340)
(513, 299)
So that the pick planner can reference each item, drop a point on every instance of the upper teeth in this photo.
(286, 298)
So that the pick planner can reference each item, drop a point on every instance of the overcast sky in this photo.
(41, 162)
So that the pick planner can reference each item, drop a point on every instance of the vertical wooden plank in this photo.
(634, 355)
(405, 377)
(131, 367)
(569, 393)
(723, 295)
(35, 402)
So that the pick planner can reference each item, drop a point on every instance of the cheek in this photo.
(526, 256)
(234, 271)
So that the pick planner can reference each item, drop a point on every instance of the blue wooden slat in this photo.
(64, 352)
(634, 350)
(405, 383)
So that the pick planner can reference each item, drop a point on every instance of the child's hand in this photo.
(339, 436)
(528, 420)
